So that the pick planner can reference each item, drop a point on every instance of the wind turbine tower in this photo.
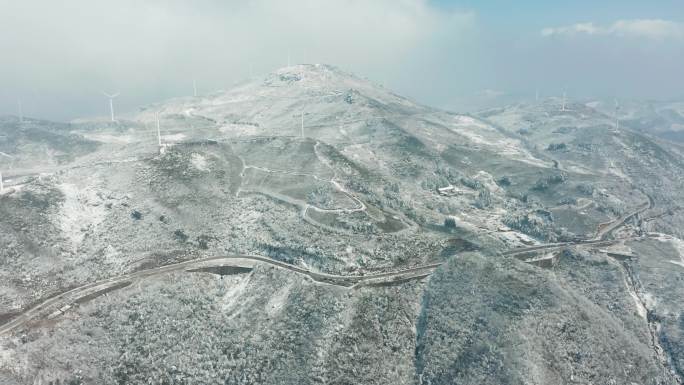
(194, 87)
(111, 103)
(161, 147)
(563, 105)
(617, 117)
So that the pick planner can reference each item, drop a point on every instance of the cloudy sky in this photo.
(57, 56)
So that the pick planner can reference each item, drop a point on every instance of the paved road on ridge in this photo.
(69, 297)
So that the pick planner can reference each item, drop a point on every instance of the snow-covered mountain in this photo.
(557, 235)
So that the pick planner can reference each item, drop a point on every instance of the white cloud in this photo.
(656, 29)
(490, 93)
(149, 49)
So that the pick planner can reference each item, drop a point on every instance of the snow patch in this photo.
(237, 129)
(5, 355)
(679, 246)
(484, 135)
(199, 162)
(173, 137)
(649, 301)
(109, 138)
(639, 306)
(231, 298)
(463, 120)
(278, 300)
(114, 258)
(677, 243)
(81, 211)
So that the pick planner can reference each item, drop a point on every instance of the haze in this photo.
(59, 56)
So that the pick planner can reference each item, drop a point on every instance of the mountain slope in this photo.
(550, 230)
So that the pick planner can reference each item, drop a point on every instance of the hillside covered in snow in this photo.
(306, 226)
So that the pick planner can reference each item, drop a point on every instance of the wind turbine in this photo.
(563, 106)
(194, 87)
(161, 147)
(111, 103)
(302, 114)
(617, 118)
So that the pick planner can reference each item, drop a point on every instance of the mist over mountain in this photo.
(444, 53)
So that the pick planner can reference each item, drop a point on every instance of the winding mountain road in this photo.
(59, 303)
(55, 304)
(606, 229)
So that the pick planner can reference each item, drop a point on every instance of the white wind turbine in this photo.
(194, 87)
(617, 117)
(563, 105)
(159, 139)
(111, 103)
